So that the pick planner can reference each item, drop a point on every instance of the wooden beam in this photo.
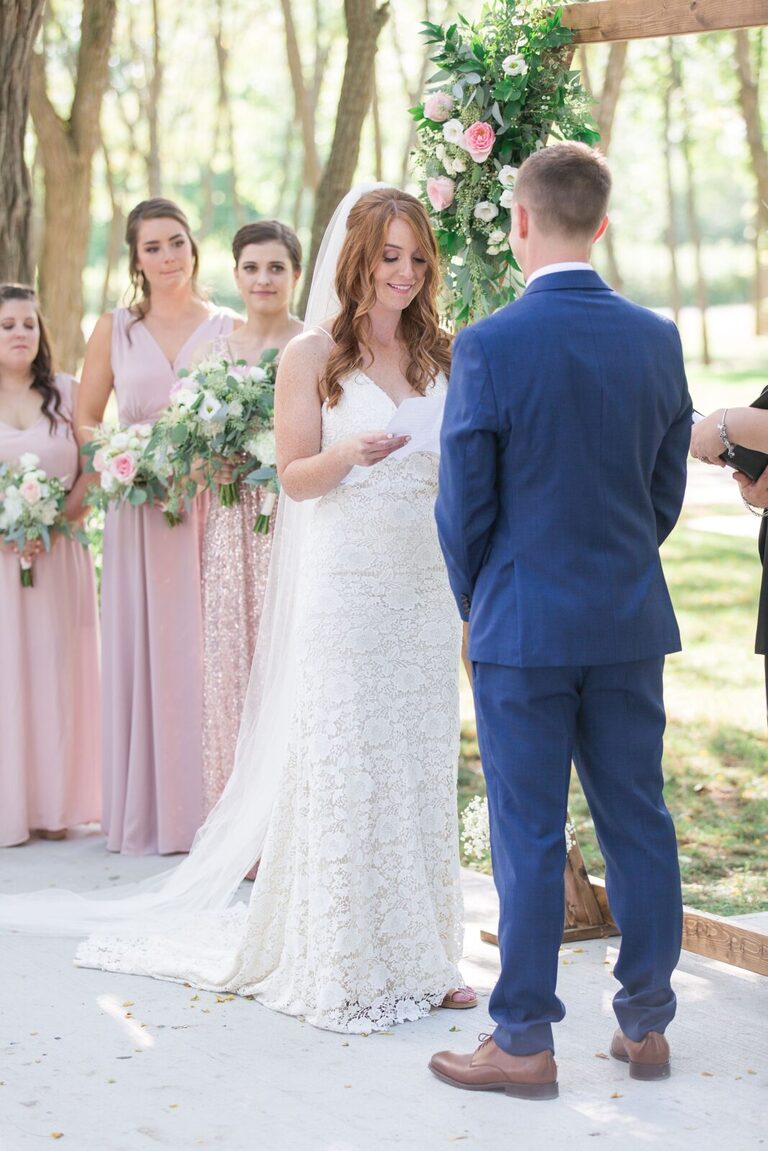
(703, 934)
(603, 20)
(718, 938)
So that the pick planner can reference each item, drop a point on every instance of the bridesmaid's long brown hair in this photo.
(155, 209)
(428, 346)
(43, 375)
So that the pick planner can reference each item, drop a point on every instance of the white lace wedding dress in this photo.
(355, 917)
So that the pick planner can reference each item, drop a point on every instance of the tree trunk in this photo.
(152, 108)
(66, 149)
(694, 226)
(749, 98)
(304, 105)
(364, 19)
(671, 229)
(605, 115)
(19, 25)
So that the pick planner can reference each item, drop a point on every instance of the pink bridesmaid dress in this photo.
(235, 568)
(152, 628)
(49, 671)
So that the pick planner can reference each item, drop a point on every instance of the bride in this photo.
(345, 777)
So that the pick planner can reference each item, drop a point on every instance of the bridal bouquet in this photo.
(221, 413)
(504, 85)
(31, 505)
(129, 472)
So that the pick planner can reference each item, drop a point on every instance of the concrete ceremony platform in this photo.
(101, 1062)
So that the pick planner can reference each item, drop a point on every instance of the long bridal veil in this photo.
(232, 837)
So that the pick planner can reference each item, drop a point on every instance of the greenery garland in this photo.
(504, 86)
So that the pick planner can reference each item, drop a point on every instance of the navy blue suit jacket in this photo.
(563, 467)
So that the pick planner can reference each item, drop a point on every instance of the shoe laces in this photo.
(485, 1039)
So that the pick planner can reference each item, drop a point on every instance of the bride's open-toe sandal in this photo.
(459, 999)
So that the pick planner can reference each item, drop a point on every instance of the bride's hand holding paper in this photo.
(419, 419)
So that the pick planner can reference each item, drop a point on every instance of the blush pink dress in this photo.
(152, 628)
(49, 670)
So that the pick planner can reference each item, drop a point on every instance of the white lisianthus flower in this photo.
(453, 132)
(507, 176)
(119, 442)
(211, 408)
(492, 250)
(514, 65)
(28, 460)
(507, 198)
(258, 375)
(262, 446)
(485, 211)
(13, 504)
(497, 236)
(459, 164)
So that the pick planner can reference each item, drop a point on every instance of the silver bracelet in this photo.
(762, 512)
(723, 432)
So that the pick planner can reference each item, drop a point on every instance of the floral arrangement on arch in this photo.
(504, 85)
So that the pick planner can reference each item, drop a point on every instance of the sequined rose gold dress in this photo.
(235, 566)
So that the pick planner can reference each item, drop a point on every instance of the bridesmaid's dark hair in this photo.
(155, 209)
(43, 375)
(264, 231)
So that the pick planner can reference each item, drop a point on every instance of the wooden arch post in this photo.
(587, 914)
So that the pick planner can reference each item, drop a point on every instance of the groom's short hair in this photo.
(566, 187)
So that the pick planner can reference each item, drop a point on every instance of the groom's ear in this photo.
(601, 230)
(520, 220)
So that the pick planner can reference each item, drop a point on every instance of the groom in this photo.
(563, 469)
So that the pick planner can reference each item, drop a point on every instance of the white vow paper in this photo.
(421, 418)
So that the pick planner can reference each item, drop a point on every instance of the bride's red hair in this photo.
(429, 347)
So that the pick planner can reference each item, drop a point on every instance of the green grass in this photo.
(716, 746)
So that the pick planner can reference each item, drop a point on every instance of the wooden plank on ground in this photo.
(717, 938)
(604, 20)
(703, 934)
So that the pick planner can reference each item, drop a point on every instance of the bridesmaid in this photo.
(49, 672)
(235, 560)
(151, 596)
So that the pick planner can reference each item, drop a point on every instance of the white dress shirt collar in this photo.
(550, 269)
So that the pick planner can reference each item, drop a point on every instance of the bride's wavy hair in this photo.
(429, 347)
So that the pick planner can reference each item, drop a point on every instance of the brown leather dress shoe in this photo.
(491, 1069)
(648, 1058)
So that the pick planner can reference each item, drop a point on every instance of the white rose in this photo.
(507, 198)
(453, 132)
(497, 236)
(48, 515)
(514, 65)
(185, 398)
(119, 442)
(485, 211)
(258, 375)
(492, 250)
(108, 482)
(28, 460)
(507, 176)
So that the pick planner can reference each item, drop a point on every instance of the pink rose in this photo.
(123, 467)
(30, 491)
(440, 190)
(438, 107)
(479, 139)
